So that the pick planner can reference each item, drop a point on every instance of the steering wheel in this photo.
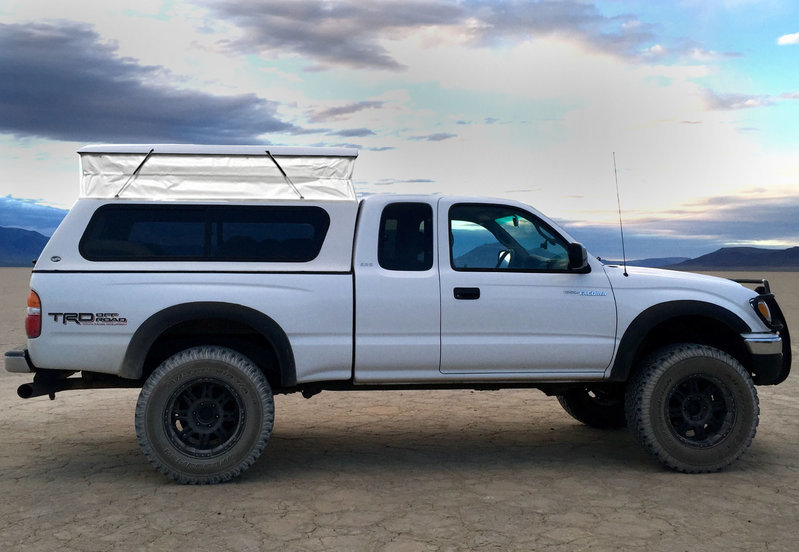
(505, 253)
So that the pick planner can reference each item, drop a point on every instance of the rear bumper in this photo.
(19, 362)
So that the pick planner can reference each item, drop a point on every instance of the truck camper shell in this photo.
(198, 172)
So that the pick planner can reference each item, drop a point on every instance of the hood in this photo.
(640, 278)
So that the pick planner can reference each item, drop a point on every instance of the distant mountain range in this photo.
(20, 247)
(24, 229)
(744, 258)
(28, 214)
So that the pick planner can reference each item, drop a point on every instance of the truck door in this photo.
(509, 302)
(397, 305)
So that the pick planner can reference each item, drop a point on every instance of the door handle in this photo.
(467, 293)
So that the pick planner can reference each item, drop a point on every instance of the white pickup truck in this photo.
(215, 276)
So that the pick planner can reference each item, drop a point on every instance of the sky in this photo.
(526, 100)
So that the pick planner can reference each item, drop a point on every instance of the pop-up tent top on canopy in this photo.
(192, 172)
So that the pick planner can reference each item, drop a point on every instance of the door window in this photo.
(503, 238)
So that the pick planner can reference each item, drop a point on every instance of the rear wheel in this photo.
(204, 415)
(599, 406)
(693, 407)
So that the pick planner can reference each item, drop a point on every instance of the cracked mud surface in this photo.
(394, 471)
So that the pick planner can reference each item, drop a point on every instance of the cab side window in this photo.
(498, 237)
(406, 237)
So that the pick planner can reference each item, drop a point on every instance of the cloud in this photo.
(394, 181)
(702, 55)
(60, 81)
(341, 112)
(354, 133)
(351, 32)
(787, 39)
(341, 33)
(436, 137)
(737, 101)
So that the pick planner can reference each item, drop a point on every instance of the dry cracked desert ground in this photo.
(399, 471)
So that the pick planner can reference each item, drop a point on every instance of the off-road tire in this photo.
(693, 407)
(596, 406)
(204, 415)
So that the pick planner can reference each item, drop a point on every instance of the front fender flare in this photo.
(655, 315)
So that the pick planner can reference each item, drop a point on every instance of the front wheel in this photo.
(204, 415)
(693, 407)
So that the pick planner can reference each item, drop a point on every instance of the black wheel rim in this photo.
(204, 418)
(700, 411)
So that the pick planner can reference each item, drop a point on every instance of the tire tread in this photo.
(642, 385)
(215, 353)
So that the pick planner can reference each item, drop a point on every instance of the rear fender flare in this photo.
(158, 323)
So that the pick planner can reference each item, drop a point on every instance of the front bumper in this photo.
(18, 362)
(763, 343)
(770, 365)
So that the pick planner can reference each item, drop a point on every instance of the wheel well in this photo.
(178, 327)
(680, 322)
(220, 332)
(693, 329)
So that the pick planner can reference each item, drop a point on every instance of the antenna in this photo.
(621, 227)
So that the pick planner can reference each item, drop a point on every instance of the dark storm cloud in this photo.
(349, 32)
(736, 219)
(703, 228)
(339, 33)
(60, 81)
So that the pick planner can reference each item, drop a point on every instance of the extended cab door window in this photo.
(405, 241)
(497, 237)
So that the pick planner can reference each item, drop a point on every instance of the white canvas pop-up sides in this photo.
(198, 172)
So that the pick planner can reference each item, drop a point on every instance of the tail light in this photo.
(33, 322)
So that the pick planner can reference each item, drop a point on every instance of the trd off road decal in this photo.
(89, 318)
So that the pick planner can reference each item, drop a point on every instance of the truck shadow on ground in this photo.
(294, 453)
(291, 453)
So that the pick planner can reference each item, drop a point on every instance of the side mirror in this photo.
(578, 256)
